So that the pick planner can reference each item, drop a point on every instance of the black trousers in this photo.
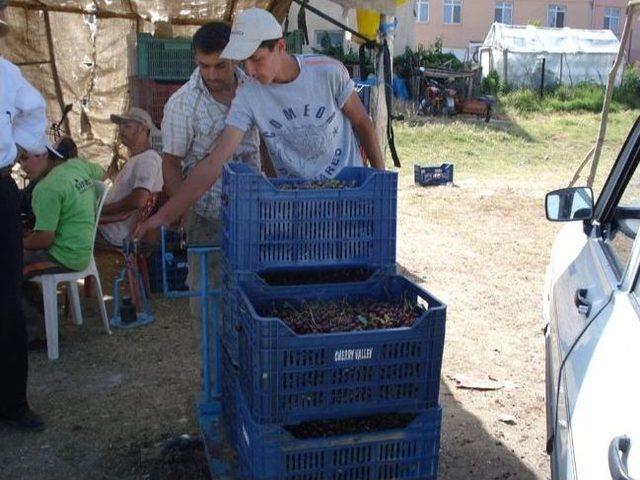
(13, 334)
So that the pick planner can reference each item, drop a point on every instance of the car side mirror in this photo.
(569, 204)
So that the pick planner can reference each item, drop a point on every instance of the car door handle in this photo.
(580, 300)
(617, 462)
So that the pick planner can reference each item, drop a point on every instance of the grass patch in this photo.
(536, 152)
(586, 97)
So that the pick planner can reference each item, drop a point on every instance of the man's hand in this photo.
(363, 126)
(39, 240)
(149, 231)
(136, 200)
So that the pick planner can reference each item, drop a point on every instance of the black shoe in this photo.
(27, 420)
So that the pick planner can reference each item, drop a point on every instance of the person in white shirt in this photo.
(140, 176)
(21, 105)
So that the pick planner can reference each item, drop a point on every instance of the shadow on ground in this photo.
(468, 450)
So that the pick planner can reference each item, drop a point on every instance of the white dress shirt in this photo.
(22, 108)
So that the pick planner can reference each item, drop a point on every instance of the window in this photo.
(422, 11)
(612, 19)
(623, 228)
(329, 38)
(556, 15)
(452, 11)
(503, 12)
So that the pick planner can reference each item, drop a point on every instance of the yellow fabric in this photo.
(368, 22)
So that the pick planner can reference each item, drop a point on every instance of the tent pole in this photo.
(133, 12)
(505, 59)
(609, 92)
(229, 11)
(54, 69)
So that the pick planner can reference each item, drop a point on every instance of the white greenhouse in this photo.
(569, 55)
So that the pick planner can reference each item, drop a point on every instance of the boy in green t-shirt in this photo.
(63, 203)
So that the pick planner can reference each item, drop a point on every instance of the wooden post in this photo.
(54, 70)
(133, 11)
(505, 59)
(631, 10)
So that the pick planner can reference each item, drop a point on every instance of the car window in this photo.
(625, 223)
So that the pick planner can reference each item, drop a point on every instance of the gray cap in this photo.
(134, 114)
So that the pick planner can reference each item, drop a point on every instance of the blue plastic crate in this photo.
(271, 452)
(232, 280)
(266, 228)
(427, 176)
(170, 59)
(287, 377)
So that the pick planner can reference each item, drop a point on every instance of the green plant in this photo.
(586, 97)
(352, 57)
(411, 60)
(523, 100)
(491, 84)
(628, 93)
(337, 51)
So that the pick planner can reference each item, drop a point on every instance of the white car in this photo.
(591, 304)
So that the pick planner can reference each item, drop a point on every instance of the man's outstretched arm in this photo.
(200, 178)
(363, 126)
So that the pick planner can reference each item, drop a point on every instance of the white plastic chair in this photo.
(49, 283)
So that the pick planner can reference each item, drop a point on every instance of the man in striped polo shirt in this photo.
(194, 118)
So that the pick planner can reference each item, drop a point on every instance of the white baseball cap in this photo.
(250, 28)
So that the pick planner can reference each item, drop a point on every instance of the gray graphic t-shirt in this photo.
(302, 123)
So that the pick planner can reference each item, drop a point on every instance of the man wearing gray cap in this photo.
(140, 176)
(20, 105)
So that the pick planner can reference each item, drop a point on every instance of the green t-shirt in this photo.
(64, 202)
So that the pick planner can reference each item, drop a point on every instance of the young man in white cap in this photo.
(305, 107)
(20, 104)
(140, 176)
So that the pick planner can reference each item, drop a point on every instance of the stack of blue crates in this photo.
(275, 381)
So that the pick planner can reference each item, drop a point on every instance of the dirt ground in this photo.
(482, 247)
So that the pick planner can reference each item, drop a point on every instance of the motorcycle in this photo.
(436, 99)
